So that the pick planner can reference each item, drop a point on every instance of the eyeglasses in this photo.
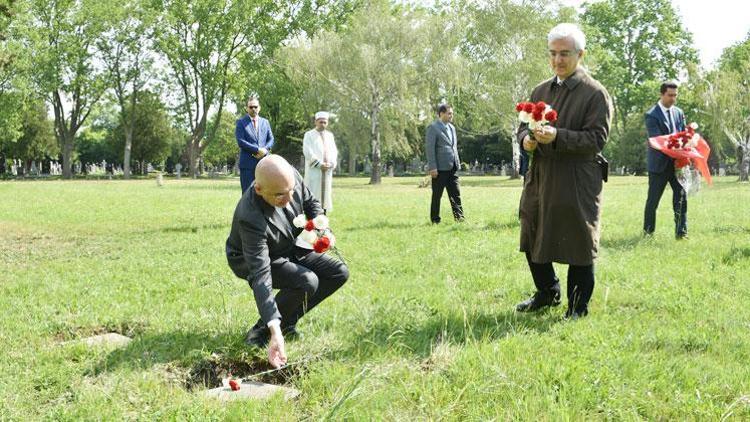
(565, 54)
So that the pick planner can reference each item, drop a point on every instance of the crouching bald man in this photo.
(262, 248)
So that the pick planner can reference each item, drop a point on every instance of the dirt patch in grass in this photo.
(209, 372)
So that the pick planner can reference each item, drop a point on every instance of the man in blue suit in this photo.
(663, 119)
(255, 140)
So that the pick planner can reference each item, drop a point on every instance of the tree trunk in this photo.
(67, 153)
(375, 144)
(352, 163)
(126, 154)
(193, 157)
(744, 161)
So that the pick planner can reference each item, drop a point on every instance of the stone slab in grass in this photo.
(250, 390)
(104, 340)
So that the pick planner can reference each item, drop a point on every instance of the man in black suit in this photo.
(263, 249)
(663, 119)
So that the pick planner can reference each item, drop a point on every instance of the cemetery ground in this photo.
(424, 329)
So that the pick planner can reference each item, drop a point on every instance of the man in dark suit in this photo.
(262, 248)
(663, 119)
(255, 140)
(441, 146)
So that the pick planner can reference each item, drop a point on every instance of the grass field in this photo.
(424, 329)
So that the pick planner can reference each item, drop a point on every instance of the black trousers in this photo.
(446, 180)
(656, 184)
(304, 282)
(580, 283)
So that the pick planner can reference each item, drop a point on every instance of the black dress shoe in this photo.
(539, 301)
(574, 315)
(258, 336)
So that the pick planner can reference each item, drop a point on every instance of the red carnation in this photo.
(537, 115)
(234, 385)
(540, 107)
(310, 225)
(519, 107)
(528, 107)
(321, 245)
(551, 116)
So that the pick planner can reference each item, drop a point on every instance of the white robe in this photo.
(319, 148)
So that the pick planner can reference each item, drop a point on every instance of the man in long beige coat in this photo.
(561, 200)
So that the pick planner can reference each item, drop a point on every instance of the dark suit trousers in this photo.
(656, 184)
(305, 282)
(446, 180)
(580, 283)
(247, 176)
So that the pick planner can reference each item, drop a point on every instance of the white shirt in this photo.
(671, 115)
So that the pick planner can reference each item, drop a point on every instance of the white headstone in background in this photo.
(722, 172)
(178, 169)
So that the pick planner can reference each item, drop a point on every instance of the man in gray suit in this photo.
(442, 157)
(262, 248)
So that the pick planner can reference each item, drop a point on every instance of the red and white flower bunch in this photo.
(685, 139)
(315, 232)
(536, 114)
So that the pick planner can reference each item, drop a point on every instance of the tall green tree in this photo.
(61, 40)
(207, 43)
(127, 51)
(373, 71)
(37, 140)
(636, 45)
(152, 134)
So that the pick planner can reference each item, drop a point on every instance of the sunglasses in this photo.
(253, 106)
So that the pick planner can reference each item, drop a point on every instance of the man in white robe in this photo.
(321, 156)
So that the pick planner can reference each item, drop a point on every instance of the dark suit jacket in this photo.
(261, 238)
(249, 142)
(657, 125)
(442, 153)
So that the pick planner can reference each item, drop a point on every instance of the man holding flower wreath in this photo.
(561, 200)
(265, 248)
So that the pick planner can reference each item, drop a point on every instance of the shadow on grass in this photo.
(623, 243)
(385, 225)
(184, 347)
(454, 329)
(194, 229)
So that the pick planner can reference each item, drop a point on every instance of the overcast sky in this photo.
(715, 24)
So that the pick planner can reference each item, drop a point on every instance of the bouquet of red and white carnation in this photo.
(316, 233)
(688, 148)
(536, 115)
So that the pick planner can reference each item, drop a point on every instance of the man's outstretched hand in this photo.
(276, 349)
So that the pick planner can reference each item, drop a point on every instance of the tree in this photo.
(60, 39)
(505, 57)
(12, 78)
(126, 52)
(636, 45)
(152, 130)
(37, 140)
(206, 42)
(723, 98)
(223, 150)
(372, 69)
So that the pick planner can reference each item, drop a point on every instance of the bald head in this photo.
(274, 180)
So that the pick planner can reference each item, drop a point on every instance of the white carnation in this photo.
(321, 222)
(300, 221)
(524, 117)
(694, 125)
(308, 236)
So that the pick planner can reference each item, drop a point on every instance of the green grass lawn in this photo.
(424, 329)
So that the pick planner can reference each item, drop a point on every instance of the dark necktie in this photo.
(669, 119)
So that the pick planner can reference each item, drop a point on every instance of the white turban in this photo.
(321, 115)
